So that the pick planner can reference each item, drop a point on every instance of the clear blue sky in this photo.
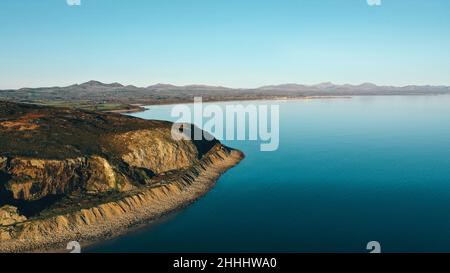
(237, 43)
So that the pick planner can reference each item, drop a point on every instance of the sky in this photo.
(235, 43)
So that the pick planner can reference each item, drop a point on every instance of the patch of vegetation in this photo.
(61, 133)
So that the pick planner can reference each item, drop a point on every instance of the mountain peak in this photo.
(161, 85)
(368, 84)
(93, 83)
(325, 85)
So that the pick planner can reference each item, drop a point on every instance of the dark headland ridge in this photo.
(70, 174)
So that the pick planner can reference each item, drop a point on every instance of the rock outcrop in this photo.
(10, 216)
(76, 175)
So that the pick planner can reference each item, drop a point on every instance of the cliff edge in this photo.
(77, 175)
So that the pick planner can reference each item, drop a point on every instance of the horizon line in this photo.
(227, 87)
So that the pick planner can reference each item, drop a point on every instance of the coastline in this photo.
(144, 106)
(119, 217)
(135, 109)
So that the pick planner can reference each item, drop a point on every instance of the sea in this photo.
(348, 171)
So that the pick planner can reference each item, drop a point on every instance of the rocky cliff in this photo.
(77, 175)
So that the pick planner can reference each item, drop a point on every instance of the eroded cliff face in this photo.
(33, 179)
(143, 145)
(78, 175)
(115, 216)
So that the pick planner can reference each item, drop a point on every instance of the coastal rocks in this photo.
(142, 146)
(33, 179)
(10, 216)
(114, 217)
(84, 176)
(101, 176)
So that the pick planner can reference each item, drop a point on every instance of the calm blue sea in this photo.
(348, 171)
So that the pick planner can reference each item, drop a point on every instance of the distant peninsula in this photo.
(76, 175)
(116, 97)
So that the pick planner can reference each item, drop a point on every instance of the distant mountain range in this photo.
(361, 89)
(284, 88)
(95, 92)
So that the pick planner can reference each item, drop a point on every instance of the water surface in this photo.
(348, 171)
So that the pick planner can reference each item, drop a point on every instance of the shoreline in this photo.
(144, 107)
(139, 107)
(117, 218)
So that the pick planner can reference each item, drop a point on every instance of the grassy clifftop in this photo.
(57, 133)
